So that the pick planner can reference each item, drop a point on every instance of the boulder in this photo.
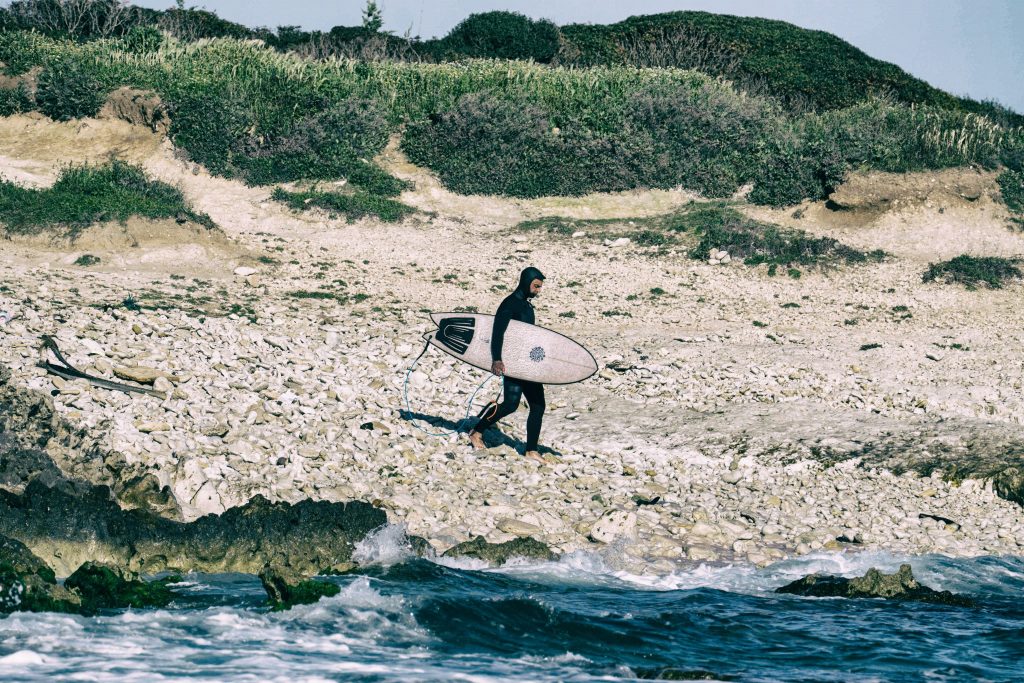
(612, 525)
(498, 554)
(68, 527)
(285, 588)
(102, 586)
(140, 107)
(874, 584)
(27, 584)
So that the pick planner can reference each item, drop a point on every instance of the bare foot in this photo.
(534, 455)
(476, 439)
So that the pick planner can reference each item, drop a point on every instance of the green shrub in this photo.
(492, 145)
(758, 243)
(69, 90)
(142, 39)
(1011, 185)
(352, 206)
(974, 270)
(84, 195)
(502, 35)
(790, 174)
(328, 144)
(704, 138)
(16, 100)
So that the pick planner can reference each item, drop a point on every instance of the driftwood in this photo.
(70, 372)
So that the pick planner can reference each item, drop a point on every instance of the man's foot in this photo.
(476, 440)
(534, 455)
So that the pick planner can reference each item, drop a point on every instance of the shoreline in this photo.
(736, 417)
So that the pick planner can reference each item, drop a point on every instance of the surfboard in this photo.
(530, 352)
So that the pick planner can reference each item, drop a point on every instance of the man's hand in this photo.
(498, 368)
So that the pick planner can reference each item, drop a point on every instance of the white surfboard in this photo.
(530, 352)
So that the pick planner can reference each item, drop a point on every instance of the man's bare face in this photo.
(535, 286)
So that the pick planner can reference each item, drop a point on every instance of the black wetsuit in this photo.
(516, 306)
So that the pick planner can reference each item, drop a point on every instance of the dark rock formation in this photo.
(673, 674)
(286, 588)
(28, 585)
(899, 586)
(70, 527)
(499, 553)
(102, 586)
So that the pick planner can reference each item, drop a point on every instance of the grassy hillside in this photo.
(486, 126)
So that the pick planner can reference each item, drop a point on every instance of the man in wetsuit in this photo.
(516, 306)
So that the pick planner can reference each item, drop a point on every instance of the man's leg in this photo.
(534, 394)
(513, 392)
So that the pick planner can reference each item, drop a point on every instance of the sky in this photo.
(966, 47)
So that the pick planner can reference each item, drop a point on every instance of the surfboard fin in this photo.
(456, 333)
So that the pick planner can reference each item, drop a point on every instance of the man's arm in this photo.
(501, 321)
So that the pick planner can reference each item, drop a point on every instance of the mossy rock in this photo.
(286, 589)
(105, 587)
(874, 584)
(27, 584)
(500, 553)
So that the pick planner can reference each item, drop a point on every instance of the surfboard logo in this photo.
(537, 354)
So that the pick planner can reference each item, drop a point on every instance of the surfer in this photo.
(516, 306)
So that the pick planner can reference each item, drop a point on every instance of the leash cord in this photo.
(469, 406)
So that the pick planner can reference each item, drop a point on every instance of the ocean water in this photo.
(577, 619)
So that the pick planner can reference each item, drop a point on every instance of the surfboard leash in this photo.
(493, 405)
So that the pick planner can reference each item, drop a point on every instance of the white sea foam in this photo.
(939, 572)
(384, 546)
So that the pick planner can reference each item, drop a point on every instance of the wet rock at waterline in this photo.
(900, 585)
(498, 554)
(100, 586)
(286, 588)
(68, 528)
(27, 584)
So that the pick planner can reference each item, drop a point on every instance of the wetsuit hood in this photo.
(525, 278)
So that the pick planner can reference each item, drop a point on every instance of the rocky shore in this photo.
(737, 417)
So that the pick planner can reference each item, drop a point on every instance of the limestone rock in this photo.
(612, 525)
(518, 528)
(140, 374)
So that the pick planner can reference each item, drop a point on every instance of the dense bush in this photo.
(889, 136)
(491, 145)
(1011, 185)
(794, 170)
(502, 35)
(329, 144)
(701, 137)
(972, 271)
(16, 100)
(75, 19)
(84, 195)
(69, 90)
(704, 138)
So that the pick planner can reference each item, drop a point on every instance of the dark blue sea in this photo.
(577, 619)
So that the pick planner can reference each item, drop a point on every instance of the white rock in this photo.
(612, 525)
(518, 527)
(245, 271)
